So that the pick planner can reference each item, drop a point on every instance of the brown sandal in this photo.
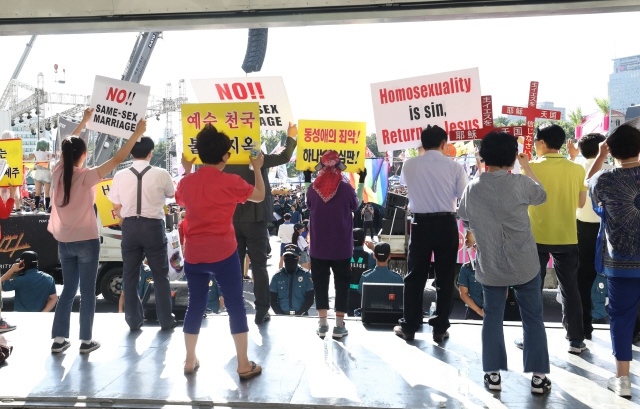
(192, 370)
(255, 370)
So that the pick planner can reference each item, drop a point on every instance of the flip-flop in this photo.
(194, 369)
(255, 370)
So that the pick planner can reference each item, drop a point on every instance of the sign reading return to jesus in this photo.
(268, 92)
(240, 122)
(402, 108)
(346, 138)
(119, 105)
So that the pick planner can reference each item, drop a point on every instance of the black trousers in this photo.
(142, 237)
(565, 262)
(437, 235)
(321, 274)
(587, 238)
(252, 237)
(368, 226)
(355, 302)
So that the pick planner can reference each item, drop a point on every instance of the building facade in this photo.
(624, 83)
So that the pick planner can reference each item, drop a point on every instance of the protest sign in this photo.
(269, 92)
(239, 121)
(402, 108)
(119, 105)
(105, 206)
(176, 259)
(346, 138)
(11, 151)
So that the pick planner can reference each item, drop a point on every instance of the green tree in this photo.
(271, 139)
(603, 104)
(576, 117)
(501, 122)
(159, 157)
(372, 144)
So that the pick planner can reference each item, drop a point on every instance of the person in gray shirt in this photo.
(493, 208)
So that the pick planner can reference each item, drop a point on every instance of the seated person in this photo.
(286, 300)
(361, 261)
(381, 272)
(471, 292)
(35, 290)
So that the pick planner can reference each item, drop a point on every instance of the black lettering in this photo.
(270, 121)
(274, 109)
(134, 118)
(427, 111)
(278, 121)
(266, 109)
(262, 122)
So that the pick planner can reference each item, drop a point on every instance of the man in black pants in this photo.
(138, 195)
(250, 222)
(367, 217)
(434, 183)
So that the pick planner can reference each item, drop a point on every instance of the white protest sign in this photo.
(269, 92)
(119, 105)
(402, 108)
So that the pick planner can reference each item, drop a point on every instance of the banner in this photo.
(27, 233)
(11, 151)
(239, 121)
(402, 108)
(105, 206)
(349, 139)
(66, 126)
(176, 260)
(269, 92)
(376, 184)
(119, 105)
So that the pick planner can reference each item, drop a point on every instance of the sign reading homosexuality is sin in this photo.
(119, 105)
(269, 92)
(240, 122)
(402, 108)
(346, 138)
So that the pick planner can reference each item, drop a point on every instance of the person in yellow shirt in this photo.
(554, 225)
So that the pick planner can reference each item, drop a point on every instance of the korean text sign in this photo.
(269, 92)
(241, 122)
(105, 206)
(11, 151)
(402, 108)
(346, 138)
(119, 105)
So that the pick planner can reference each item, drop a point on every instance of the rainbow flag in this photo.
(376, 183)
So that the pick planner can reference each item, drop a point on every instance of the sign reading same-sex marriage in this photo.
(119, 105)
(241, 122)
(346, 138)
(402, 108)
(268, 92)
(11, 151)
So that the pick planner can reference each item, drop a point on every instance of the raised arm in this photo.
(258, 191)
(597, 164)
(85, 118)
(283, 157)
(121, 155)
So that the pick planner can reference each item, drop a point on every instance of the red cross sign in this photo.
(487, 125)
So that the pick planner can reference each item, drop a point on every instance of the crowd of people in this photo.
(585, 217)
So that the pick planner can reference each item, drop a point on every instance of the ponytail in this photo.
(294, 237)
(72, 150)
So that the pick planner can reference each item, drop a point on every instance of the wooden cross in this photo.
(531, 113)
(487, 125)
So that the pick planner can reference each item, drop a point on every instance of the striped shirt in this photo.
(494, 207)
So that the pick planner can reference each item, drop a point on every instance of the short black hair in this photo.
(212, 145)
(142, 148)
(358, 236)
(287, 216)
(553, 135)
(589, 145)
(624, 142)
(499, 149)
(433, 136)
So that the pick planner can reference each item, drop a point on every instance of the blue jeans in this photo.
(494, 354)
(624, 295)
(79, 260)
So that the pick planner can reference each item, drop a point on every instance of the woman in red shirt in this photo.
(210, 198)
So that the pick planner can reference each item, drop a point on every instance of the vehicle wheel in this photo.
(111, 285)
(399, 266)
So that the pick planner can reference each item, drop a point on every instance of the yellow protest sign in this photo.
(347, 138)
(105, 206)
(240, 121)
(11, 151)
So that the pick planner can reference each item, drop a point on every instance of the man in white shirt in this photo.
(434, 183)
(588, 228)
(285, 232)
(138, 195)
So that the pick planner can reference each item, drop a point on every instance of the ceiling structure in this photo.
(94, 16)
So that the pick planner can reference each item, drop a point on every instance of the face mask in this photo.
(290, 264)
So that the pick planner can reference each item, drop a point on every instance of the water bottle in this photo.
(432, 310)
(255, 150)
(328, 351)
(463, 378)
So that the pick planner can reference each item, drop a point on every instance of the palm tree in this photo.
(575, 117)
(604, 104)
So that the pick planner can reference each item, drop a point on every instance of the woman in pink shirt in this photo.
(73, 223)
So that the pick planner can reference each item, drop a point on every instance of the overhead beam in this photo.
(95, 16)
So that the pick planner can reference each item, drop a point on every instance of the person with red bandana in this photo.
(332, 202)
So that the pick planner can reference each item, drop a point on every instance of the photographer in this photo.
(35, 290)
(367, 218)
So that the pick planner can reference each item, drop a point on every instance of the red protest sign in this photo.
(487, 125)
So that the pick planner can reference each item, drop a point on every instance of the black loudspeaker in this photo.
(391, 212)
(256, 50)
(394, 200)
(179, 300)
(398, 226)
(382, 303)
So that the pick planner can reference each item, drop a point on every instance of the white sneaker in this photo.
(621, 386)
